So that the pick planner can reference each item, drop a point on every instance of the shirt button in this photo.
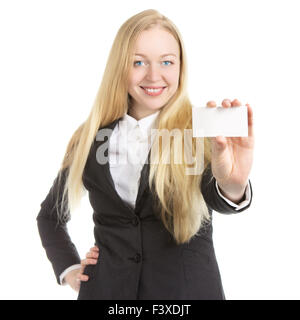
(137, 258)
(135, 221)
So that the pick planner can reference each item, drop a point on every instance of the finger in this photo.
(82, 277)
(95, 248)
(226, 103)
(81, 270)
(236, 103)
(86, 262)
(250, 121)
(218, 144)
(92, 255)
(211, 104)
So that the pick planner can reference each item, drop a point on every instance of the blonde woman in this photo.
(153, 228)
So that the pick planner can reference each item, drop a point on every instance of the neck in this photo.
(140, 114)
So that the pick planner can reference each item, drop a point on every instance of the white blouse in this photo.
(129, 146)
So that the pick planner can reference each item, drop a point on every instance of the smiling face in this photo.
(154, 76)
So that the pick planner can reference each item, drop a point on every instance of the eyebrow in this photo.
(163, 55)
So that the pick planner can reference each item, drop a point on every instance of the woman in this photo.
(152, 220)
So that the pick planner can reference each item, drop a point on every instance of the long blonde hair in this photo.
(181, 205)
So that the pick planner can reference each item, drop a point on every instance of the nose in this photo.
(153, 73)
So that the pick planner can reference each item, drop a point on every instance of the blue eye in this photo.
(169, 61)
(135, 63)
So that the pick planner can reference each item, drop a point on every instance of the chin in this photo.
(155, 108)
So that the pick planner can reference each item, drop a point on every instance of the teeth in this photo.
(153, 90)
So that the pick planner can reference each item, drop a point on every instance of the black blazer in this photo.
(139, 260)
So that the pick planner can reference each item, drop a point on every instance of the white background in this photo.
(52, 57)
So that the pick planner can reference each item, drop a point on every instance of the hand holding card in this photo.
(232, 157)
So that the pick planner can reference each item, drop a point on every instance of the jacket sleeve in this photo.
(55, 239)
(212, 198)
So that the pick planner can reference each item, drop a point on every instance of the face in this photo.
(154, 76)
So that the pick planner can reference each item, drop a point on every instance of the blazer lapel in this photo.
(105, 180)
(100, 173)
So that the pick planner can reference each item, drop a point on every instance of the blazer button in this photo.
(137, 258)
(135, 221)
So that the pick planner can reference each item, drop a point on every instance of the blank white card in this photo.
(220, 121)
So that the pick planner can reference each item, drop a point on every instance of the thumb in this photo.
(218, 144)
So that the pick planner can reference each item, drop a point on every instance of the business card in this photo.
(220, 121)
